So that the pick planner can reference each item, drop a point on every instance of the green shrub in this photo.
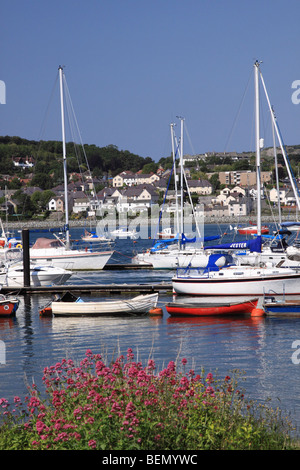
(126, 406)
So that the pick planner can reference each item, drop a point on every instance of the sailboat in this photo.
(56, 251)
(241, 280)
(276, 249)
(178, 250)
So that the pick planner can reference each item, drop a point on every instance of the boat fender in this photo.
(156, 311)
(258, 312)
(46, 312)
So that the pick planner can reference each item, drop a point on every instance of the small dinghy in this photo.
(8, 306)
(211, 308)
(277, 307)
(138, 305)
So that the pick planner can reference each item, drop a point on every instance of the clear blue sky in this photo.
(132, 66)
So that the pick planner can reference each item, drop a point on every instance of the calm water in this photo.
(262, 348)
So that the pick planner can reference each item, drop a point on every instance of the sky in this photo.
(133, 66)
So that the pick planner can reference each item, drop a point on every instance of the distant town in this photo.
(224, 184)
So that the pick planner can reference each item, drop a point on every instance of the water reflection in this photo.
(262, 347)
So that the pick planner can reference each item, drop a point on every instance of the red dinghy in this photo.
(210, 309)
(8, 307)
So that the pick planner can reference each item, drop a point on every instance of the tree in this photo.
(214, 180)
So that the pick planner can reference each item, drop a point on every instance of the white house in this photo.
(200, 187)
(81, 204)
(23, 162)
(237, 208)
(56, 204)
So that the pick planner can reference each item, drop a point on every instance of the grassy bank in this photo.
(127, 406)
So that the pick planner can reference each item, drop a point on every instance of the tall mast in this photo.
(64, 157)
(257, 136)
(175, 176)
(181, 175)
(296, 194)
(276, 167)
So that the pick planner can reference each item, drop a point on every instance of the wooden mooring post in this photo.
(26, 257)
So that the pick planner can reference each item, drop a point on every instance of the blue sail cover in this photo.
(162, 244)
(184, 239)
(252, 245)
(289, 224)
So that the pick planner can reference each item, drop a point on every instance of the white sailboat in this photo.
(173, 252)
(55, 251)
(242, 280)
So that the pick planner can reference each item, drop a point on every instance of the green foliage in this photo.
(48, 158)
(126, 406)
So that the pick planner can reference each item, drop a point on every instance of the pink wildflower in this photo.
(92, 444)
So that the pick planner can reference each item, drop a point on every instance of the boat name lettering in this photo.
(239, 245)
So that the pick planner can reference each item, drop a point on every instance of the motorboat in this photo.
(167, 233)
(40, 275)
(123, 232)
(252, 229)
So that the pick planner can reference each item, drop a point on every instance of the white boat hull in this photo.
(254, 281)
(171, 259)
(70, 259)
(140, 304)
(39, 276)
(123, 234)
(267, 256)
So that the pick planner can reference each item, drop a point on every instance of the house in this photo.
(56, 204)
(23, 162)
(137, 198)
(125, 178)
(146, 178)
(81, 203)
(218, 211)
(286, 196)
(238, 208)
(161, 184)
(200, 187)
(128, 178)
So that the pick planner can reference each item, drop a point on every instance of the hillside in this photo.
(47, 156)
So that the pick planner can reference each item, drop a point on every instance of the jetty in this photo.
(79, 289)
(90, 289)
